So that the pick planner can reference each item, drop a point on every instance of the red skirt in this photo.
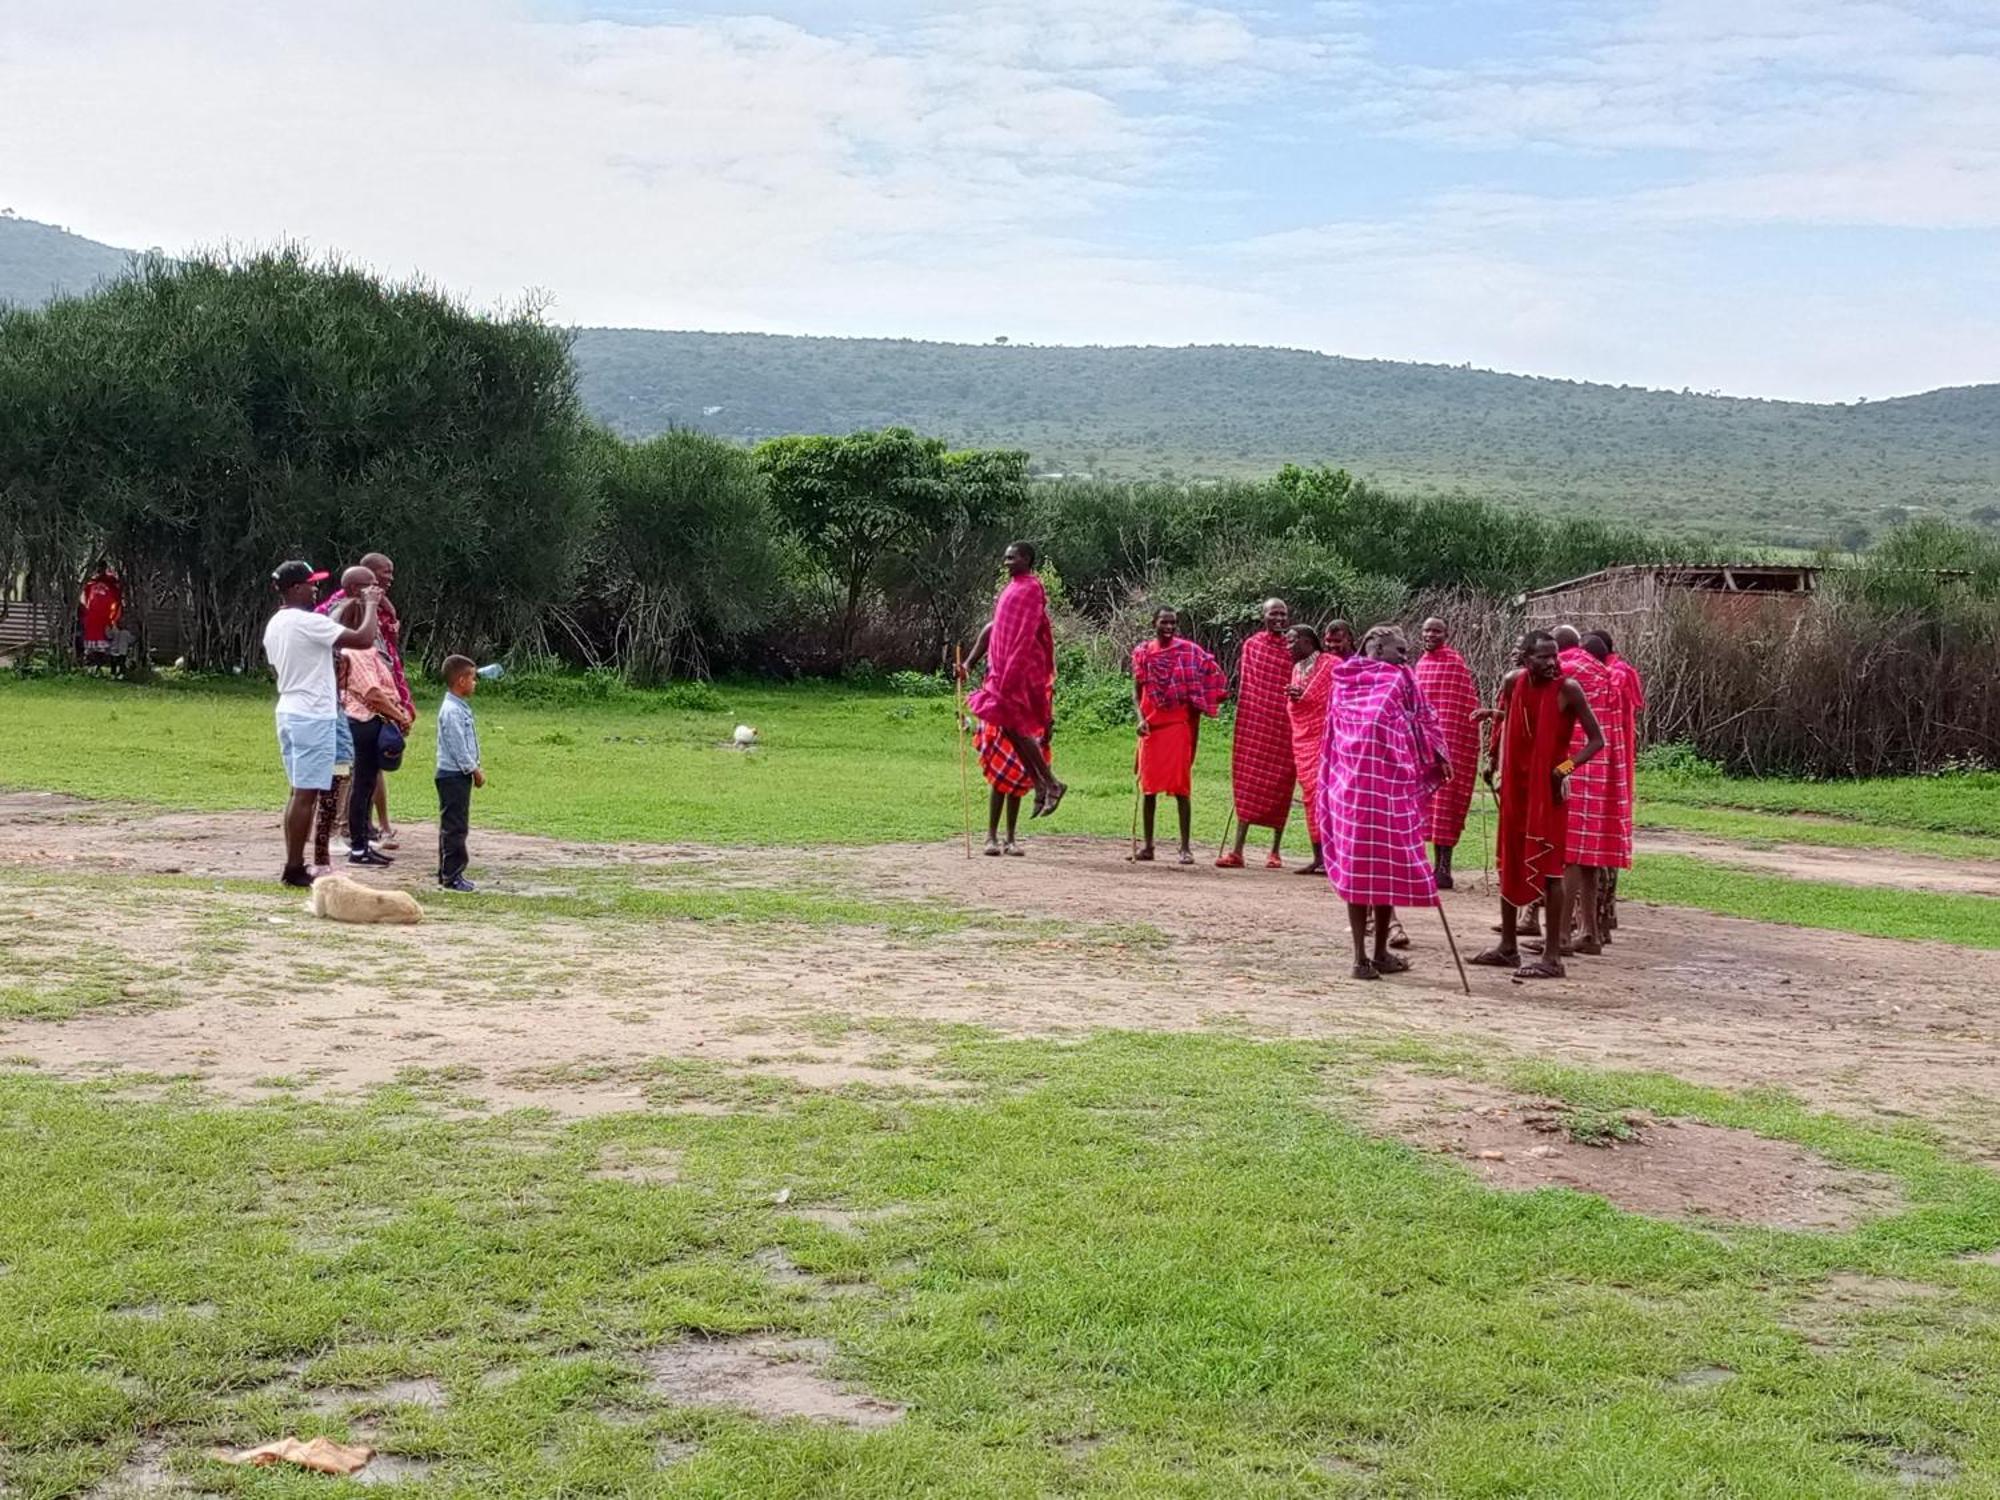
(1166, 757)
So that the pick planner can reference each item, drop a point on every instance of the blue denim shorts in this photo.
(307, 748)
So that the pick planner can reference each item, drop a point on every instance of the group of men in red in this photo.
(1383, 754)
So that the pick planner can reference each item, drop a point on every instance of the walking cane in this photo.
(1133, 857)
(1452, 943)
(964, 786)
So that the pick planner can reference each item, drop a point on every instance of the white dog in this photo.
(339, 899)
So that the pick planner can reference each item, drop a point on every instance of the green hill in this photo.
(1789, 471)
(1781, 471)
(40, 261)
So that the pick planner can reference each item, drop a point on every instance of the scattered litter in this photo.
(321, 1454)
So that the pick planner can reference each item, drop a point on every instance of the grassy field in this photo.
(1139, 1266)
(841, 765)
(1113, 1264)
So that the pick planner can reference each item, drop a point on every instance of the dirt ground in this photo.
(572, 1014)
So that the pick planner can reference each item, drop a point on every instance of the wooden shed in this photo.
(1632, 593)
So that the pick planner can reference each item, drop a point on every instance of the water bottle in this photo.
(493, 671)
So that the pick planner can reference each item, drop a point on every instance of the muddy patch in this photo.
(1676, 1169)
(1850, 1308)
(774, 1379)
(143, 1476)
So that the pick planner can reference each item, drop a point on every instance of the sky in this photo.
(1784, 198)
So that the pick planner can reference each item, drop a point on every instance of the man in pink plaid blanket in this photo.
(1380, 762)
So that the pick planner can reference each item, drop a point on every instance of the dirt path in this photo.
(1884, 867)
(575, 1014)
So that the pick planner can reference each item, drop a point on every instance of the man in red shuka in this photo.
(1540, 709)
(1261, 770)
(1017, 697)
(1174, 683)
(1448, 686)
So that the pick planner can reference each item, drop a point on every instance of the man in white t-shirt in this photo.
(300, 645)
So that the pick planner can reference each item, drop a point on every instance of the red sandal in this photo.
(1229, 862)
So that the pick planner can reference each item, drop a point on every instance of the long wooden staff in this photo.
(1452, 943)
(964, 783)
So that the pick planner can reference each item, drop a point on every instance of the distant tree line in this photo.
(198, 421)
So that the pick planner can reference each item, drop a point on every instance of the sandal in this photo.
(1229, 862)
(1047, 808)
(1388, 963)
(1143, 857)
(1312, 869)
(1397, 937)
(1497, 958)
(1013, 850)
(1274, 861)
(1186, 857)
(1363, 971)
(992, 850)
(1546, 968)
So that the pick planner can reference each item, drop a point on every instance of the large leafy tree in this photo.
(888, 505)
(203, 419)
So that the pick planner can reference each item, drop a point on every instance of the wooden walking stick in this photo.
(1228, 827)
(1452, 943)
(1133, 857)
(964, 785)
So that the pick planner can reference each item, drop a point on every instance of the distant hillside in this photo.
(1788, 471)
(40, 261)
(1766, 470)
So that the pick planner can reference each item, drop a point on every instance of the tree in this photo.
(852, 501)
(203, 419)
(684, 559)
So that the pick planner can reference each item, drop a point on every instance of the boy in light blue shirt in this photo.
(458, 771)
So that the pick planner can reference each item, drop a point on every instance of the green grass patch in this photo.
(1140, 1265)
(1768, 829)
(1708, 885)
(1963, 804)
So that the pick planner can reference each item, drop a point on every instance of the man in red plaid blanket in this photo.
(1448, 686)
(1018, 696)
(1600, 811)
(1381, 758)
(1261, 773)
(1635, 705)
(1174, 684)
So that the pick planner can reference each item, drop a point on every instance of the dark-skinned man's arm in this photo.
(365, 633)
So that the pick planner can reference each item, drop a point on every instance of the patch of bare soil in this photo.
(143, 1476)
(1845, 866)
(1865, 1025)
(1850, 1307)
(1679, 1169)
(773, 1379)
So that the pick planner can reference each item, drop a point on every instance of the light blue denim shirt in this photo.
(458, 740)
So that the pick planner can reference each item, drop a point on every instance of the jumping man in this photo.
(1018, 696)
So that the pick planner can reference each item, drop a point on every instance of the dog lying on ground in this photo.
(339, 899)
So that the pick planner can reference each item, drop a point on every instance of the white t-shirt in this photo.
(299, 644)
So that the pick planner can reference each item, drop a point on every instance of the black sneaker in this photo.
(296, 877)
(461, 885)
(368, 857)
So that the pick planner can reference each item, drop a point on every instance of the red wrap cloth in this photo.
(1534, 734)
(1308, 715)
(1378, 768)
(1177, 682)
(1000, 763)
(103, 606)
(1019, 689)
(1261, 773)
(1635, 704)
(1448, 686)
(1600, 796)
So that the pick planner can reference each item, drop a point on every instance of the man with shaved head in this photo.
(391, 637)
(1261, 770)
